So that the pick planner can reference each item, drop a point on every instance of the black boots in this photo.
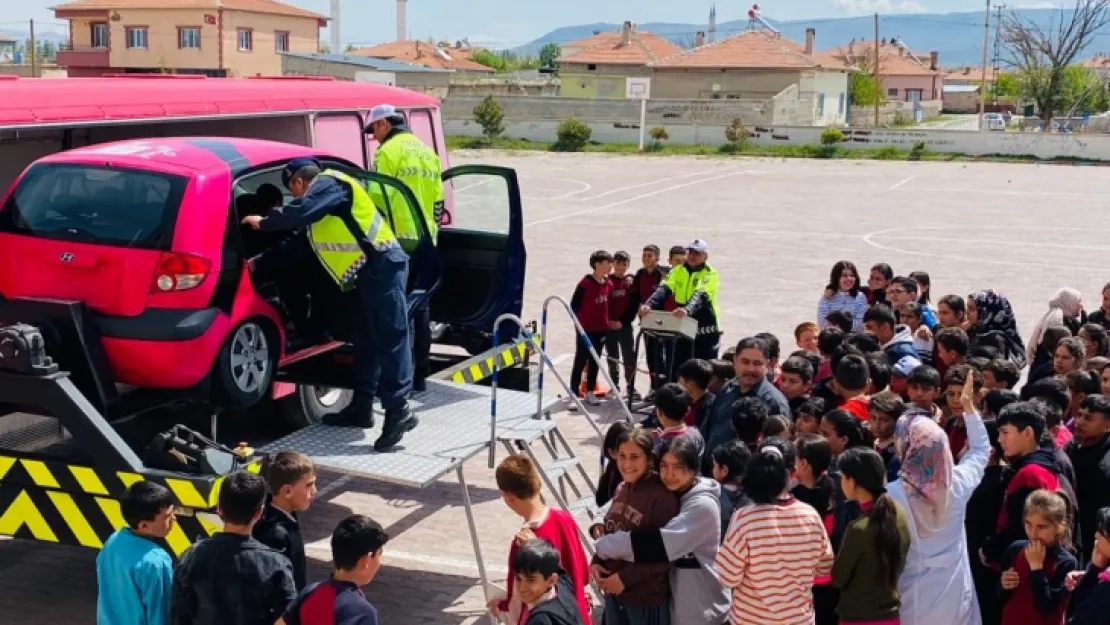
(397, 423)
(358, 414)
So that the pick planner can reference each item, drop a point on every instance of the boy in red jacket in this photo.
(590, 304)
(519, 484)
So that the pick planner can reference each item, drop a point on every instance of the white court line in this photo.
(1064, 246)
(1077, 196)
(902, 183)
(585, 187)
(631, 199)
(647, 184)
(985, 258)
(475, 184)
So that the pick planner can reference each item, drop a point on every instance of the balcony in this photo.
(82, 56)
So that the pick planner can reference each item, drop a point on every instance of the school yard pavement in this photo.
(775, 228)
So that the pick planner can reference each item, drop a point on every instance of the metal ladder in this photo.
(563, 472)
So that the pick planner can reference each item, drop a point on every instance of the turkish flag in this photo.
(210, 19)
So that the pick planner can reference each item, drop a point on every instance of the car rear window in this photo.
(93, 204)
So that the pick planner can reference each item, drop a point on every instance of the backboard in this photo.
(636, 88)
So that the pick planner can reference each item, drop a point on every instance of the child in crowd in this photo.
(1020, 428)
(671, 405)
(827, 343)
(843, 431)
(885, 409)
(610, 475)
(777, 425)
(1089, 452)
(841, 320)
(749, 415)
(676, 256)
(910, 315)
(134, 574)
(291, 479)
(852, 381)
(694, 376)
(723, 371)
(877, 282)
(1091, 589)
(982, 512)
(1081, 385)
(843, 293)
(590, 304)
(878, 370)
(647, 279)
(730, 464)
(796, 380)
(519, 483)
(774, 352)
(545, 589)
(231, 578)
(805, 336)
(1000, 373)
(1035, 569)
(873, 551)
(816, 489)
(623, 306)
(807, 417)
(356, 552)
(635, 592)
(953, 422)
(776, 538)
(952, 346)
(923, 388)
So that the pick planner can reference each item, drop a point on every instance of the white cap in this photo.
(698, 245)
(380, 112)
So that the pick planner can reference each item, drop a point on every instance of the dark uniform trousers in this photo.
(383, 356)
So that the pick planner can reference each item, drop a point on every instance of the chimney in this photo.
(901, 51)
(402, 26)
(934, 56)
(626, 34)
(852, 48)
(699, 39)
(811, 33)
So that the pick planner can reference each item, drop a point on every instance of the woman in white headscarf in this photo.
(936, 586)
(1064, 309)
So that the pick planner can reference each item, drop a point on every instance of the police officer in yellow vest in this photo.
(359, 251)
(403, 156)
(691, 289)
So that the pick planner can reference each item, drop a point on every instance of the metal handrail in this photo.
(544, 360)
(581, 335)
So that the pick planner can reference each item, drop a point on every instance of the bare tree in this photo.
(1040, 54)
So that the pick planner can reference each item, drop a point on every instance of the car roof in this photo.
(36, 101)
(186, 155)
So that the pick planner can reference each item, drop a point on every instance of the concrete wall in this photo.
(961, 102)
(708, 84)
(604, 81)
(431, 83)
(864, 116)
(508, 86)
(930, 86)
(829, 93)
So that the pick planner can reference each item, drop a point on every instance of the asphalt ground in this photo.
(775, 228)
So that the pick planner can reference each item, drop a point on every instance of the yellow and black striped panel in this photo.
(78, 505)
(508, 357)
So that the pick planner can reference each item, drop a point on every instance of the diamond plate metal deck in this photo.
(454, 427)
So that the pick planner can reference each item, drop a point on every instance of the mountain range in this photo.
(22, 36)
(958, 37)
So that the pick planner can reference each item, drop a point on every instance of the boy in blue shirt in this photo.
(134, 574)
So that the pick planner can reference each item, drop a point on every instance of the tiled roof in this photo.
(254, 6)
(969, 73)
(606, 48)
(422, 53)
(381, 65)
(1099, 61)
(893, 62)
(752, 49)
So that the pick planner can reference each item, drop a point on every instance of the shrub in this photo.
(488, 115)
(658, 136)
(918, 150)
(889, 153)
(572, 135)
(826, 151)
(736, 133)
(831, 136)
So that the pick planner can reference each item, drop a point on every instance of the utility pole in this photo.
(997, 52)
(878, 84)
(34, 51)
(983, 83)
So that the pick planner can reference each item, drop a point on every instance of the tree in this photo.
(489, 116)
(1042, 54)
(549, 55)
(863, 89)
(1006, 84)
(489, 59)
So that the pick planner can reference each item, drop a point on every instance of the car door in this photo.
(484, 258)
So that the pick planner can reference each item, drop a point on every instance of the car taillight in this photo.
(179, 272)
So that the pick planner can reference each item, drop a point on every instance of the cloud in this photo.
(862, 7)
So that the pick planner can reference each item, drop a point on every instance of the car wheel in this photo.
(309, 404)
(245, 366)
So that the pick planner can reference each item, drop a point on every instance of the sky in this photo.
(508, 23)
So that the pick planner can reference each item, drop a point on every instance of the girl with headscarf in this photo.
(991, 321)
(1064, 309)
(936, 585)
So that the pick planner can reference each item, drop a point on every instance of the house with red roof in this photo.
(424, 54)
(206, 37)
(597, 67)
(905, 75)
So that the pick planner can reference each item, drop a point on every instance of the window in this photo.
(246, 39)
(591, 67)
(136, 37)
(99, 35)
(92, 204)
(892, 92)
(840, 107)
(188, 37)
(820, 106)
(281, 41)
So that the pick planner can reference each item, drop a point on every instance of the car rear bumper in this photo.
(158, 324)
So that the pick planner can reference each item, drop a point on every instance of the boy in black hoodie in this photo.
(1090, 455)
(544, 588)
(291, 479)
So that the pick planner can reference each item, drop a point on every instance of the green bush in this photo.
(919, 149)
(489, 116)
(658, 136)
(831, 136)
(572, 135)
(826, 151)
(889, 153)
(736, 132)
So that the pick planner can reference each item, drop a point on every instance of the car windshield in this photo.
(94, 204)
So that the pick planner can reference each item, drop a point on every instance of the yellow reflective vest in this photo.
(684, 285)
(405, 157)
(338, 250)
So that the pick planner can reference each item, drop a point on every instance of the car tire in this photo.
(309, 404)
(245, 366)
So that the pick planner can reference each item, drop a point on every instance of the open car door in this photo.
(481, 242)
